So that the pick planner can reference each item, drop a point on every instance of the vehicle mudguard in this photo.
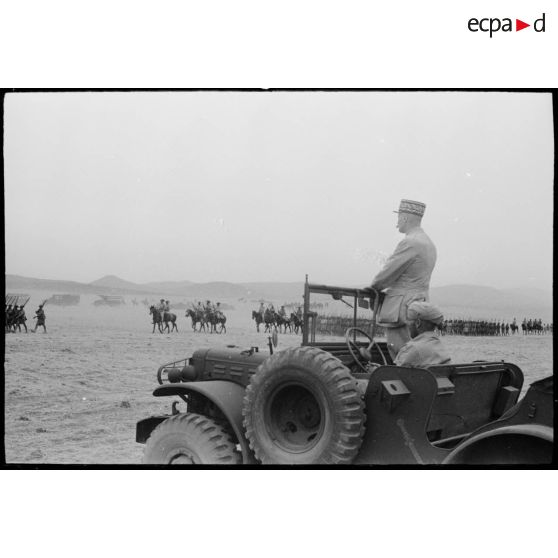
(227, 396)
(535, 446)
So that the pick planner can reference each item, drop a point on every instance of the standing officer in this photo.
(406, 274)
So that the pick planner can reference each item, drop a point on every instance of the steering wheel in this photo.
(354, 349)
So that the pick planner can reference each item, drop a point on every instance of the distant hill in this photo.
(114, 282)
(455, 300)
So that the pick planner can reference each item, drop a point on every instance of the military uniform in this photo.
(41, 318)
(405, 277)
(424, 350)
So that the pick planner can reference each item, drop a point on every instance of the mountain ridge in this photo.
(455, 300)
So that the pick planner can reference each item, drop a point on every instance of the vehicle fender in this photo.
(227, 396)
(534, 431)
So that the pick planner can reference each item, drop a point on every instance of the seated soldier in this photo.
(425, 348)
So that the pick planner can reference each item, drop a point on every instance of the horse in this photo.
(170, 318)
(214, 319)
(283, 321)
(514, 327)
(258, 317)
(157, 318)
(269, 320)
(296, 322)
(196, 317)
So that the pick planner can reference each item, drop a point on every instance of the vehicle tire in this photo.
(303, 406)
(191, 439)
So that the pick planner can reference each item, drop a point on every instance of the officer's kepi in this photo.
(412, 207)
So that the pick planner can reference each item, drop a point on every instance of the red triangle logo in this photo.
(519, 25)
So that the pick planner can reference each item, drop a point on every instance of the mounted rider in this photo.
(218, 311)
(198, 309)
(261, 310)
(282, 312)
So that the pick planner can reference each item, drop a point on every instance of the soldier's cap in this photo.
(412, 207)
(425, 311)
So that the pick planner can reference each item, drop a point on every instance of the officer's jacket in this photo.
(424, 350)
(406, 276)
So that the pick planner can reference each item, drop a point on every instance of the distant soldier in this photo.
(262, 310)
(282, 312)
(7, 316)
(19, 318)
(161, 307)
(41, 319)
(299, 313)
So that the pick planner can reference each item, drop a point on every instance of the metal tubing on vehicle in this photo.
(227, 396)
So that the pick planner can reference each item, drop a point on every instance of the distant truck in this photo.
(64, 300)
(109, 300)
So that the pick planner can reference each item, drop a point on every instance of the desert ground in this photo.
(74, 395)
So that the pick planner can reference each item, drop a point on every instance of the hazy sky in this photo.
(269, 186)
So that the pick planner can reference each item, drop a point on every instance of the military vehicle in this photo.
(64, 300)
(109, 300)
(322, 403)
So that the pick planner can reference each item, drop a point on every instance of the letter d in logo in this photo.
(538, 26)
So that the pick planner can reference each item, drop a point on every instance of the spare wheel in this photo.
(303, 406)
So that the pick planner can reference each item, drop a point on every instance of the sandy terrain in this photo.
(74, 395)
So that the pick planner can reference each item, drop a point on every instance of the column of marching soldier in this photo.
(16, 318)
(495, 328)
